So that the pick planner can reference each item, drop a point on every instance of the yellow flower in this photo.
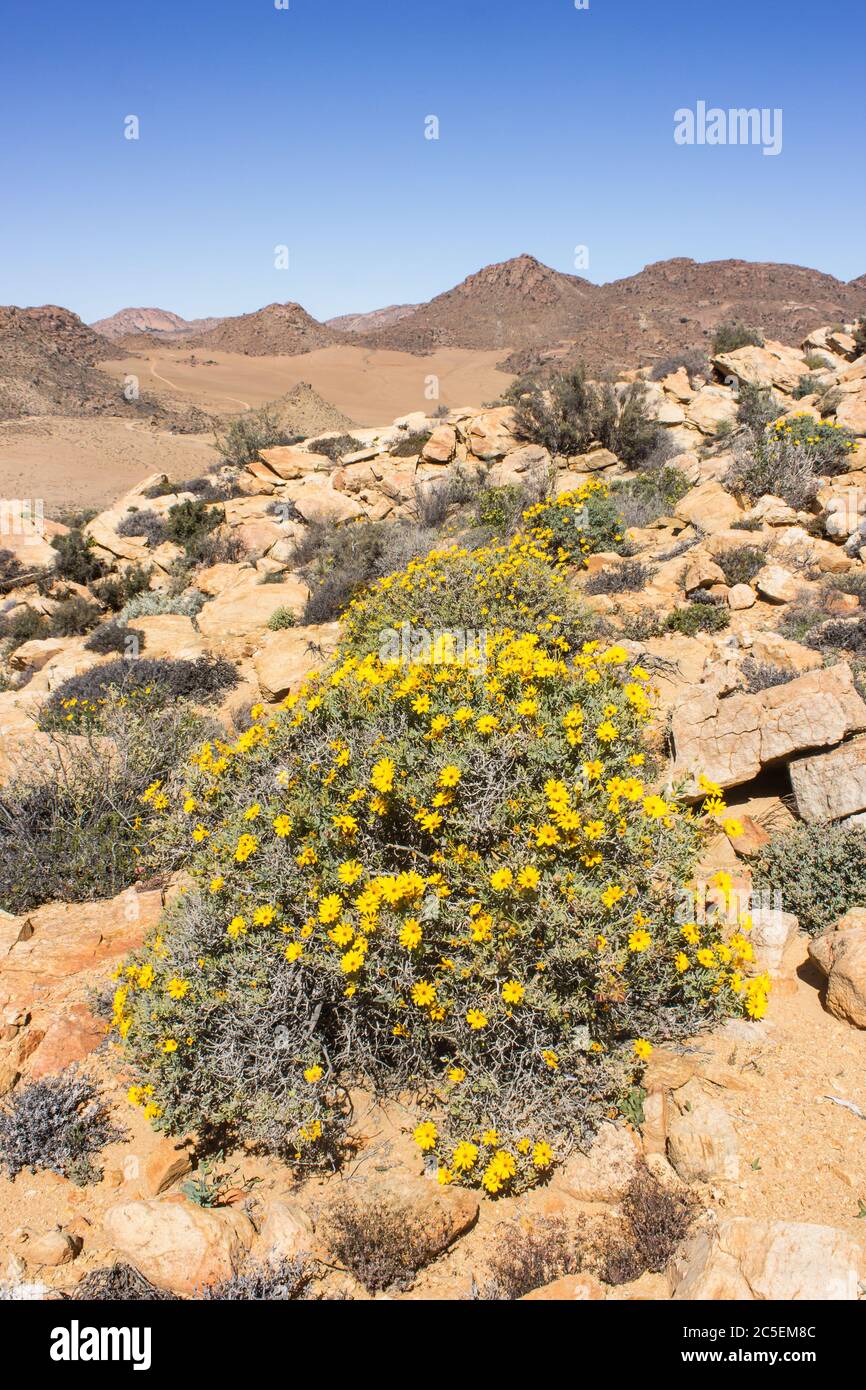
(655, 807)
(612, 894)
(513, 992)
(639, 940)
(465, 1157)
(476, 1019)
(456, 1074)
(425, 1135)
(528, 878)
(501, 879)
(733, 827)
(169, 1045)
(642, 1049)
(423, 993)
(177, 988)
(236, 927)
(247, 846)
(542, 1155)
(681, 961)
(350, 871)
(487, 724)
(550, 1059)
(330, 908)
(217, 883)
(282, 826)
(313, 1074)
(382, 776)
(410, 934)
(450, 776)
(294, 951)
(253, 812)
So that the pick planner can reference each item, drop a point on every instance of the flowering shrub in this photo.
(789, 456)
(435, 879)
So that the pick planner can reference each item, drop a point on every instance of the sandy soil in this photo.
(370, 387)
(75, 464)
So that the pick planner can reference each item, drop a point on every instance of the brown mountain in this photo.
(278, 329)
(47, 364)
(369, 323)
(670, 307)
(47, 367)
(159, 324)
(517, 303)
(859, 285)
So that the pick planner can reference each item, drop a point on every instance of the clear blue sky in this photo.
(305, 127)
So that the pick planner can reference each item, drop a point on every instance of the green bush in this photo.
(115, 636)
(741, 564)
(573, 412)
(789, 457)
(75, 837)
(629, 577)
(445, 879)
(693, 618)
(244, 437)
(409, 444)
(73, 617)
(860, 334)
(728, 337)
(281, 618)
(76, 560)
(653, 493)
(149, 683)
(336, 447)
(757, 407)
(819, 870)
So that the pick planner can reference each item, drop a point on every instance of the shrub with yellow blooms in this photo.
(432, 880)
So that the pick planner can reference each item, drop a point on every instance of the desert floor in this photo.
(77, 464)
(368, 386)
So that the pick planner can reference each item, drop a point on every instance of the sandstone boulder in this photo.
(701, 1142)
(830, 786)
(177, 1245)
(779, 1261)
(730, 740)
(245, 610)
(841, 957)
(285, 658)
(603, 1173)
(708, 506)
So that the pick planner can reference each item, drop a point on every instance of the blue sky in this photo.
(305, 127)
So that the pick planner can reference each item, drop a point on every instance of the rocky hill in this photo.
(669, 307)
(48, 366)
(517, 303)
(278, 329)
(373, 321)
(161, 325)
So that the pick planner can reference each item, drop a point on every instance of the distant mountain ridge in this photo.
(159, 323)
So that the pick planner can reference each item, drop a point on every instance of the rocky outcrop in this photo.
(780, 1261)
(830, 786)
(840, 955)
(730, 740)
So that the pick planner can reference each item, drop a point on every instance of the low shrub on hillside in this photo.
(807, 386)
(728, 337)
(76, 559)
(742, 563)
(696, 364)
(56, 1124)
(630, 577)
(654, 1221)
(188, 603)
(75, 837)
(692, 618)
(281, 1280)
(501, 508)
(337, 447)
(73, 617)
(146, 525)
(244, 437)
(819, 870)
(860, 334)
(444, 878)
(281, 618)
(340, 564)
(25, 625)
(762, 675)
(572, 412)
(788, 459)
(757, 407)
(150, 683)
(653, 493)
(117, 637)
(527, 1258)
(10, 566)
(409, 443)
